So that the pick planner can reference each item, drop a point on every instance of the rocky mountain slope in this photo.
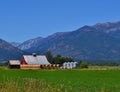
(100, 42)
(7, 51)
(27, 45)
(15, 44)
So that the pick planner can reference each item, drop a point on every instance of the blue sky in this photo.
(21, 20)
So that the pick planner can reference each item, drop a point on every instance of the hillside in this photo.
(15, 44)
(100, 42)
(7, 51)
(27, 45)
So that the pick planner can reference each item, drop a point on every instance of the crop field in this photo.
(59, 80)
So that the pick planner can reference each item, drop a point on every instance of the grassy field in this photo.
(59, 80)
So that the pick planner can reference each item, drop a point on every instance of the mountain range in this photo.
(7, 51)
(100, 42)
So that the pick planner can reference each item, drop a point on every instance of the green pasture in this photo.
(62, 80)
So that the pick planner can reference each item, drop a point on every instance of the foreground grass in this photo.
(59, 80)
(29, 85)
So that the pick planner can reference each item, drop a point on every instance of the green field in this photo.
(59, 80)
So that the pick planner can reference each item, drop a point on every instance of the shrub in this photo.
(83, 65)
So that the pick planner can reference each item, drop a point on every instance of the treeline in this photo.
(3, 63)
(58, 59)
(105, 63)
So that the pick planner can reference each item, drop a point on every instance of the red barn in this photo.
(34, 62)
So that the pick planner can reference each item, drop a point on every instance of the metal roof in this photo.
(14, 62)
(38, 59)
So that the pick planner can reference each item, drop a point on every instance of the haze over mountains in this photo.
(100, 42)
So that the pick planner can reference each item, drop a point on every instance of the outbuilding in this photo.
(14, 64)
(69, 65)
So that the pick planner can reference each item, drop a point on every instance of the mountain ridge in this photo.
(100, 42)
(7, 51)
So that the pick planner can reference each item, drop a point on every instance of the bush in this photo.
(83, 65)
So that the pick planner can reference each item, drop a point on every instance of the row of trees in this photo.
(58, 59)
(105, 63)
(3, 63)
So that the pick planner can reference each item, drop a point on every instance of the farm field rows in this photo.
(60, 80)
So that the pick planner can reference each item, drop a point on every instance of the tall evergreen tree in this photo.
(49, 57)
